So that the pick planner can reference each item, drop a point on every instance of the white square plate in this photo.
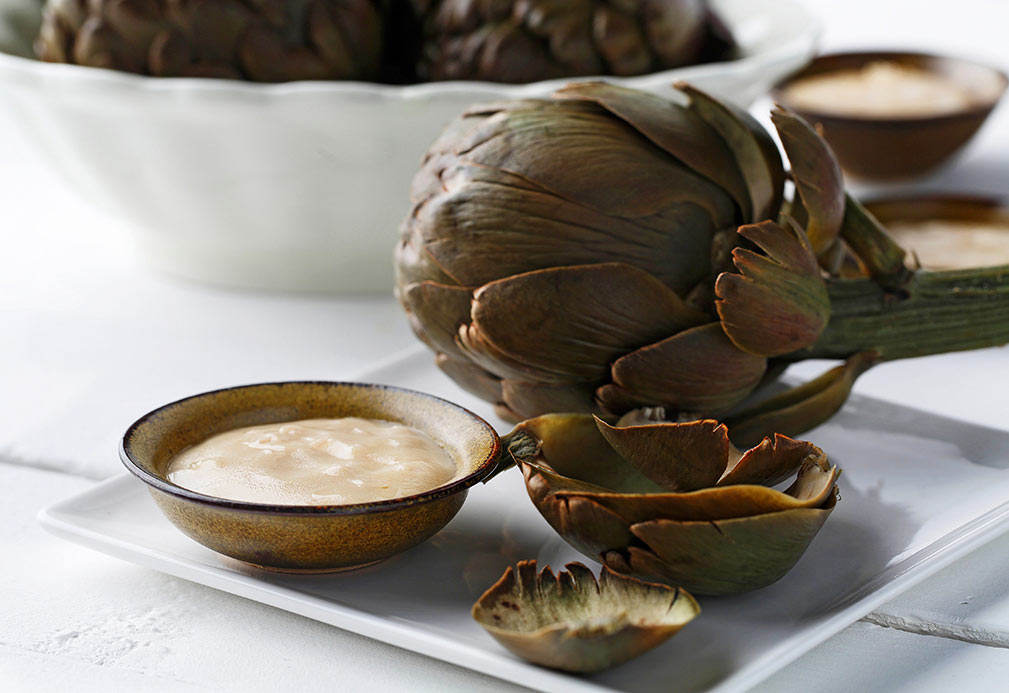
(918, 491)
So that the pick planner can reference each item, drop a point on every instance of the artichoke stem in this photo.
(931, 313)
(520, 443)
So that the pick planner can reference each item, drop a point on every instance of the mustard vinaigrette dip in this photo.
(314, 462)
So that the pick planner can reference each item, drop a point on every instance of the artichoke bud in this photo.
(676, 502)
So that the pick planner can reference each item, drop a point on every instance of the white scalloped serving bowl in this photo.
(301, 185)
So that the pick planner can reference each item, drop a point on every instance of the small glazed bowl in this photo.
(302, 538)
(893, 148)
(963, 211)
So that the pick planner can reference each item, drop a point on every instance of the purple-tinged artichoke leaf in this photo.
(673, 128)
(533, 399)
(698, 369)
(754, 151)
(785, 243)
(800, 408)
(771, 308)
(567, 324)
(677, 457)
(441, 309)
(470, 377)
(817, 176)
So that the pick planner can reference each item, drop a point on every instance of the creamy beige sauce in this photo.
(881, 89)
(953, 244)
(314, 462)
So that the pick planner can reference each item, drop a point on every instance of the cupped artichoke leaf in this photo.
(698, 369)
(772, 308)
(532, 399)
(817, 176)
(487, 224)
(574, 622)
(727, 556)
(803, 407)
(470, 377)
(677, 130)
(771, 461)
(571, 454)
(677, 457)
(440, 309)
(622, 173)
(567, 324)
(753, 150)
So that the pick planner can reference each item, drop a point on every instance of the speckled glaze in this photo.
(307, 538)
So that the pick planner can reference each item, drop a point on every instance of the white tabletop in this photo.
(90, 340)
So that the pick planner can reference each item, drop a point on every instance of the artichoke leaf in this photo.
(440, 309)
(675, 129)
(817, 176)
(567, 324)
(711, 374)
(753, 150)
(470, 377)
(777, 303)
(574, 622)
(728, 556)
(528, 399)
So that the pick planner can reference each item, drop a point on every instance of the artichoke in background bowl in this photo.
(675, 502)
(607, 249)
(531, 40)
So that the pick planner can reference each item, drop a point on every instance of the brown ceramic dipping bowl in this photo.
(970, 209)
(881, 148)
(300, 538)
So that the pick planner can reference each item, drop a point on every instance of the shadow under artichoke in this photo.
(572, 622)
(676, 502)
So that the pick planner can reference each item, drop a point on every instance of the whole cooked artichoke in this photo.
(530, 40)
(261, 40)
(607, 249)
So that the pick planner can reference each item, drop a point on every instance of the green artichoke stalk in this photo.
(531, 40)
(607, 249)
(675, 502)
(262, 40)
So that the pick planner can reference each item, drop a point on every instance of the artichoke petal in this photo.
(710, 375)
(678, 457)
(754, 151)
(573, 622)
(817, 175)
(568, 324)
(677, 130)
(772, 461)
(803, 407)
(727, 556)
(775, 305)
(532, 399)
(470, 377)
(440, 310)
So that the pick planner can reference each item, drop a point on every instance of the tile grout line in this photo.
(950, 631)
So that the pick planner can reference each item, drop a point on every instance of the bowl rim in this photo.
(980, 109)
(484, 470)
(801, 42)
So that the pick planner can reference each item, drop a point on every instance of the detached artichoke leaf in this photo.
(777, 303)
(678, 457)
(817, 176)
(772, 461)
(711, 374)
(673, 128)
(803, 407)
(567, 324)
(573, 622)
(727, 556)
(755, 153)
